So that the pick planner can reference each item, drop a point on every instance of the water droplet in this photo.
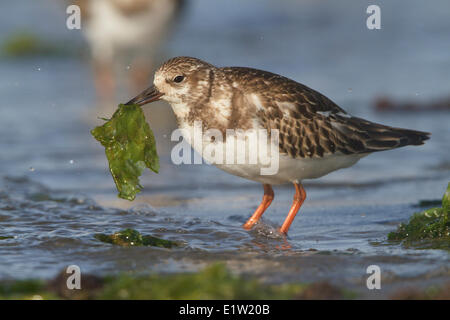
(128, 67)
(39, 69)
(31, 169)
(71, 161)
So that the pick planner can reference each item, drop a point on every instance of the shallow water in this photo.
(56, 191)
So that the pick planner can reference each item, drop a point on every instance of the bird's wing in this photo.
(310, 124)
(322, 135)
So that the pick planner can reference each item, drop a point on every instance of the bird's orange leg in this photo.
(265, 203)
(299, 198)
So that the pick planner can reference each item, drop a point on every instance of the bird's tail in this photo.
(411, 137)
(377, 137)
(384, 138)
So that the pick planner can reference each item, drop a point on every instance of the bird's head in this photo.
(179, 80)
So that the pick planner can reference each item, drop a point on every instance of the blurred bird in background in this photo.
(126, 38)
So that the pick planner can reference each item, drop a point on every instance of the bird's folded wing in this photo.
(310, 124)
(313, 126)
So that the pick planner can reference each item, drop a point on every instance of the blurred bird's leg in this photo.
(265, 203)
(104, 83)
(140, 73)
(299, 198)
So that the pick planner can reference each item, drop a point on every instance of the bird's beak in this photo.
(148, 95)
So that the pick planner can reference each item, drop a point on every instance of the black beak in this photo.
(148, 95)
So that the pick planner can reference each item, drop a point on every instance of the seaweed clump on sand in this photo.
(129, 146)
(429, 229)
(27, 44)
(213, 282)
(132, 238)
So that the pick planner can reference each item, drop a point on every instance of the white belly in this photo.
(293, 170)
(274, 168)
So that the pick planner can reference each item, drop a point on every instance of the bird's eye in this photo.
(178, 79)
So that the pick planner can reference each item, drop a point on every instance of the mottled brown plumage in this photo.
(316, 136)
(310, 124)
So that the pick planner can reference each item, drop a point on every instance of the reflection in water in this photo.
(125, 39)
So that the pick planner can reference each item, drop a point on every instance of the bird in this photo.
(316, 136)
(125, 36)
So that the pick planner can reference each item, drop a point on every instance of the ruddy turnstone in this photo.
(316, 136)
(125, 34)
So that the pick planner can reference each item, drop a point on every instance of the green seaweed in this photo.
(131, 238)
(446, 199)
(129, 146)
(27, 289)
(214, 282)
(26, 44)
(429, 229)
(6, 237)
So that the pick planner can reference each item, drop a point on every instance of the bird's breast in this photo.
(212, 115)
